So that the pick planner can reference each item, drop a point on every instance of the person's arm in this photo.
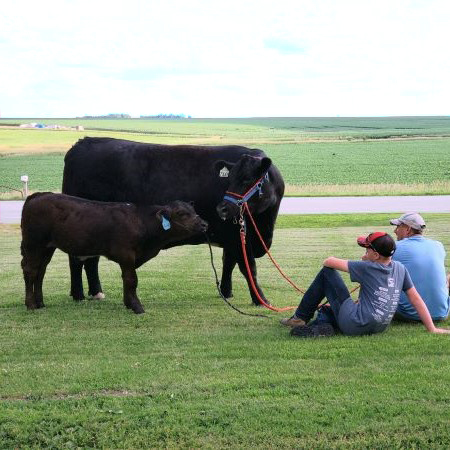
(421, 308)
(336, 263)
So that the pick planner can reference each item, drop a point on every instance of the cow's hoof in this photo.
(227, 293)
(260, 305)
(99, 296)
(138, 309)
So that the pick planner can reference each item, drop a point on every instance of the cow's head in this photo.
(248, 181)
(180, 218)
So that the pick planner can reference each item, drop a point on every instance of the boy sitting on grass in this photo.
(381, 280)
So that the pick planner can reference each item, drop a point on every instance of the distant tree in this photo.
(109, 116)
(165, 116)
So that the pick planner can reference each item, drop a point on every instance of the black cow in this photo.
(118, 170)
(126, 233)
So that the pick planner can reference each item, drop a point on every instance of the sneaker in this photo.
(313, 331)
(292, 322)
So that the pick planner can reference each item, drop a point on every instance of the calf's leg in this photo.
(130, 282)
(30, 266)
(46, 258)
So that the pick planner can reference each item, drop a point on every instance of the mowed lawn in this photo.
(192, 373)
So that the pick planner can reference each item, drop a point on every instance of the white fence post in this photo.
(24, 180)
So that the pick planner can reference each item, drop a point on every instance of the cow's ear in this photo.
(265, 164)
(222, 168)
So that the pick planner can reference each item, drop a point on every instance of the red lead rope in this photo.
(270, 255)
(252, 282)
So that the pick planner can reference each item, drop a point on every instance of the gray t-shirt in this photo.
(378, 298)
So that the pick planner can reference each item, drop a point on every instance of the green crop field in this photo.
(340, 156)
(294, 128)
(192, 373)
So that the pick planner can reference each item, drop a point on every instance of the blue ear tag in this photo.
(165, 223)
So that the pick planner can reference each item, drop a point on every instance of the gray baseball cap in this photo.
(412, 219)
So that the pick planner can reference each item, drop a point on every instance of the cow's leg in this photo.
(46, 258)
(229, 262)
(30, 267)
(91, 268)
(130, 282)
(243, 269)
(76, 280)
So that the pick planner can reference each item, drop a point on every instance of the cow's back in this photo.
(110, 169)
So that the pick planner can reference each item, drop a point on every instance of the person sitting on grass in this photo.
(425, 260)
(381, 279)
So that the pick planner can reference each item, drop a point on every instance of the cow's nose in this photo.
(222, 210)
(204, 226)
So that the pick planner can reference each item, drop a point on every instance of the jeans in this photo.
(328, 283)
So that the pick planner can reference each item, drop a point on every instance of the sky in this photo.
(227, 58)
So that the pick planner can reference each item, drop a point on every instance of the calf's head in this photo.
(180, 218)
(248, 181)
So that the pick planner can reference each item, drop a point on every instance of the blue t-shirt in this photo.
(425, 260)
(378, 297)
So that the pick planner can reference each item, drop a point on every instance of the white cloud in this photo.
(215, 59)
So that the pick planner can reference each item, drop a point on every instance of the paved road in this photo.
(10, 211)
(335, 205)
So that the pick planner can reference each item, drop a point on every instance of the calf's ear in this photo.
(222, 168)
(164, 212)
(163, 215)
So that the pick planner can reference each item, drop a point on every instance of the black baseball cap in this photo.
(379, 241)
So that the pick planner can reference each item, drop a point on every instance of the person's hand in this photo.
(441, 330)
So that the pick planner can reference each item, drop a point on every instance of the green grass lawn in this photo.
(193, 373)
